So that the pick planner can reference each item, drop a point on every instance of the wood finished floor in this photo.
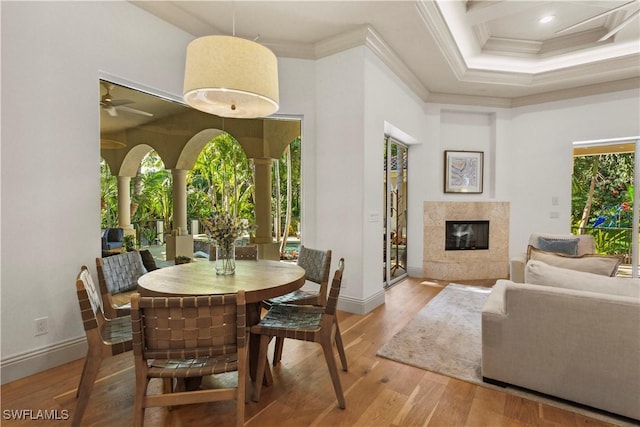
(378, 392)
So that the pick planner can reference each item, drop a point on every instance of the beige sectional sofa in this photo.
(568, 334)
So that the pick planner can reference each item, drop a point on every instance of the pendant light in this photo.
(231, 77)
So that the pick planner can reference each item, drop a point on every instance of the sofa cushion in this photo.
(605, 265)
(540, 273)
(563, 246)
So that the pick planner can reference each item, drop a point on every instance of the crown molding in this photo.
(361, 36)
(481, 101)
(610, 69)
(382, 50)
(577, 92)
(435, 23)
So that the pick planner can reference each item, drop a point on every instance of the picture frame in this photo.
(463, 171)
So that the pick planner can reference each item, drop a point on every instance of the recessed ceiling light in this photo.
(546, 19)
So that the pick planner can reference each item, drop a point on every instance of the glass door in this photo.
(604, 197)
(395, 209)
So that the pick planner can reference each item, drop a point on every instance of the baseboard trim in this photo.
(359, 306)
(31, 362)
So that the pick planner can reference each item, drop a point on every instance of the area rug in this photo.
(445, 337)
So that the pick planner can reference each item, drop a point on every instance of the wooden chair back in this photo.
(187, 337)
(317, 266)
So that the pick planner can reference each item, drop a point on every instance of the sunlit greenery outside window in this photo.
(221, 179)
(602, 201)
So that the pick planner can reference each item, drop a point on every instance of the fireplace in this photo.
(453, 265)
(466, 235)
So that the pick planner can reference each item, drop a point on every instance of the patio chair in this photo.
(105, 338)
(180, 338)
(306, 323)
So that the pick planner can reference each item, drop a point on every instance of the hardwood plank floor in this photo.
(378, 392)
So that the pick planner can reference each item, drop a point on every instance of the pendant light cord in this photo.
(233, 15)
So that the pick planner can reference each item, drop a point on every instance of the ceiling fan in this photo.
(600, 15)
(112, 106)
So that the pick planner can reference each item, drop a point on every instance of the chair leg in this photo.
(242, 390)
(262, 361)
(277, 351)
(89, 375)
(138, 406)
(339, 344)
(327, 347)
(84, 371)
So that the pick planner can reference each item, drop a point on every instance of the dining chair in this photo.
(181, 338)
(105, 338)
(118, 280)
(306, 323)
(246, 253)
(317, 266)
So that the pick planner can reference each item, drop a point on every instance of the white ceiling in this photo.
(472, 52)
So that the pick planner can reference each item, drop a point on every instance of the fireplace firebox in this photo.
(466, 235)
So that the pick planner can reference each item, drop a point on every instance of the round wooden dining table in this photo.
(260, 280)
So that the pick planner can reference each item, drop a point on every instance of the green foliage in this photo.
(610, 218)
(129, 242)
(149, 234)
(108, 197)
(296, 187)
(222, 178)
(614, 183)
(155, 199)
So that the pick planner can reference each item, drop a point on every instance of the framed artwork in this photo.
(463, 171)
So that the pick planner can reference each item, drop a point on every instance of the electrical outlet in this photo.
(41, 326)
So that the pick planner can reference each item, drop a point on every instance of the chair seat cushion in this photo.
(118, 331)
(296, 297)
(290, 321)
(189, 368)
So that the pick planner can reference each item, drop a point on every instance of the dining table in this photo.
(260, 280)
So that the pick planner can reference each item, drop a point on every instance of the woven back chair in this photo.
(247, 253)
(105, 338)
(177, 338)
(317, 266)
(306, 323)
(118, 279)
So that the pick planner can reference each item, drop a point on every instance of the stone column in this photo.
(179, 199)
(263, 202)
(124, 202)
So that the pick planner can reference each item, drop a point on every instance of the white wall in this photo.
(540, 165)
(52, 53)
(388, 103)
(339, 175)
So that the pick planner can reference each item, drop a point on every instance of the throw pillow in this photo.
(562, 246)
(604, 265)
(539, 273)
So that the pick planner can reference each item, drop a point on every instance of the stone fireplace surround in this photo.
(492, 263)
